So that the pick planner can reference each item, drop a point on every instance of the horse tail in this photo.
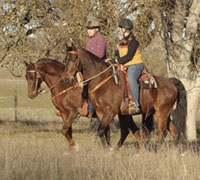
(179, 114)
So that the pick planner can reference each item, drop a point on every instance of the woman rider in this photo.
(129, 55)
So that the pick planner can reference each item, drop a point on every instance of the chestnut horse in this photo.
(67, 99)
(63, 96)
(106, 96)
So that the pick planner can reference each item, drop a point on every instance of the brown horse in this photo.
(106, 96)
(67, 99)
(63, 96)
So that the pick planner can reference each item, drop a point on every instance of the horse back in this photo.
(164, 94)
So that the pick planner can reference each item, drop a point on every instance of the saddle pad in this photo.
(151, 83)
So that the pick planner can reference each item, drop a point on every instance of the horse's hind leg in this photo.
(171, 128)
(161, 125)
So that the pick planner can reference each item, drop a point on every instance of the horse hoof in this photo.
(111, 149)
(74, 148)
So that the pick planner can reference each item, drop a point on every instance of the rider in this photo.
(129, 55)
(97, 45)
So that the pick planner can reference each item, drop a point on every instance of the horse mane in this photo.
(50, 64)
(95, 59)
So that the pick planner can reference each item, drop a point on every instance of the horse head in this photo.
(34, 80)
(72, 65)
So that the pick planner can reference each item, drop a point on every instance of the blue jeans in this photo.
(90, 107)
(134, 72)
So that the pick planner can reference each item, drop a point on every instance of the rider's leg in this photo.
(134, 72)
(84, 110)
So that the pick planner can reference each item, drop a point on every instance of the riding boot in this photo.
(139, 139)
(84, 109)
(133, 109)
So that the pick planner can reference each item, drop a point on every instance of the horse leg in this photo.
(147, 125)
(171, 128)
(126, 123)
(124, 130)
(67, 128)
(161, 124)
(136, 132)
(107, 117)
(107, 134)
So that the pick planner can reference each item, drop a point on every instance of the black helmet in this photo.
(126, 23)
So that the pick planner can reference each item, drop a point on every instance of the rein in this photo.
(54, 85)
(100, 84)
(83, 83)
(64, 91)
(93, 77)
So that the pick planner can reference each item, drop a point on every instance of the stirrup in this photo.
(133, 109)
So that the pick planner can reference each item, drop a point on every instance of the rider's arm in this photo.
(132, 48)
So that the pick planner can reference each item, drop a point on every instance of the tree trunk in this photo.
(181, 66)
(193, 97)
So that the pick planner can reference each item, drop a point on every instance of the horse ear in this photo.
(73, 46)
(27, 64)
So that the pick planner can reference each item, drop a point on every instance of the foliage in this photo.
(34, 29)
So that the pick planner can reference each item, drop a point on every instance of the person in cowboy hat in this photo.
(97, 45)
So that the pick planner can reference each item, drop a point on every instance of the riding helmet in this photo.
(126, 23)
(93, 24)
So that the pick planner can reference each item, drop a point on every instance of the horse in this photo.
(106, 97)
(63, 96)
(67, 99)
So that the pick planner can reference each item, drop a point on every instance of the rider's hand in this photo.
(111, 61)
(107, 60)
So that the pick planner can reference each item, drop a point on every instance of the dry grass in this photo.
(39, 151)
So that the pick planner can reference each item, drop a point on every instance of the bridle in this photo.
(53, 86)
(38, 76)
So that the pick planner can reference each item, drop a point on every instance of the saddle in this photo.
(146, 81)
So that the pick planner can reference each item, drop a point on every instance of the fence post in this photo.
(15, 105)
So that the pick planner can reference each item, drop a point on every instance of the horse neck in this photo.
(93, 69)
(48, 77)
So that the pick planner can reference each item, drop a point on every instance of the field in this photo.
(34, 148)
(39, 151)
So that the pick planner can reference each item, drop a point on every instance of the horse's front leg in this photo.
(67, 127)
(104, 130)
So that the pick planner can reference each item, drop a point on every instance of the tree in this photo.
(34, 29)
(177, 28)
